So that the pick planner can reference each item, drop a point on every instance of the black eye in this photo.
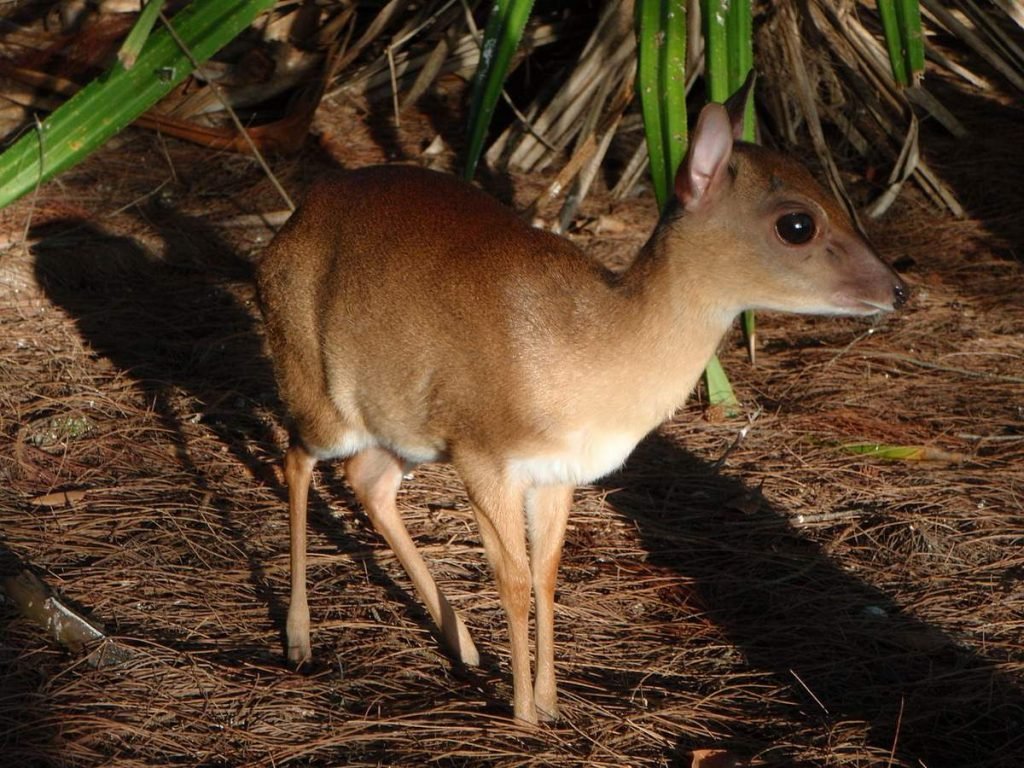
(795, 228)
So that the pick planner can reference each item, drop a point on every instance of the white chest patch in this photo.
(583, 458)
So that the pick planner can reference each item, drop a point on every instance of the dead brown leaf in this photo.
(59, 498)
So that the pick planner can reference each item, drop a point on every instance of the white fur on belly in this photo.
(584, 458)
(354, 441)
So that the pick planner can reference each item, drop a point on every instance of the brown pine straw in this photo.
(766, 593)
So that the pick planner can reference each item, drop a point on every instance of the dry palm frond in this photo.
(823, 63)
(603, 65)
(873, 116)
(985, 38)
(1013, 10)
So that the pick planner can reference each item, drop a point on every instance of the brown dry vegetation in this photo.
(740, 583)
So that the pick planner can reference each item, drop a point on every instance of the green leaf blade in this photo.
(908, 15)
(502, 36)
(649, 42)
(921, 453)
(112, 101)
(137, 38)
(716, 49)
(893, 40)
(672, 85)
(719, 389)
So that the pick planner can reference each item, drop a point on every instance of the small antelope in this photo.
(412, 318)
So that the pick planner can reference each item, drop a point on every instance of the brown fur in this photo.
(412, 318)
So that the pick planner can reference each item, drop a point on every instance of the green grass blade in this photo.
(672, 85)
(902, 452)
(132, 46)
(648, 27)
(716, 49)
(908, 16)
(501, 39)
(719, 389)
(904, 40)
(740, 24)
(740, 34)
(112, 101)
(893, 40)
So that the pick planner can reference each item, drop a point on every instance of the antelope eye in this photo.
(795, 228)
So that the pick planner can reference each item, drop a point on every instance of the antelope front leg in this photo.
(298, 470)
(547, 510)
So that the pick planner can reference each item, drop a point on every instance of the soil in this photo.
(745, 583)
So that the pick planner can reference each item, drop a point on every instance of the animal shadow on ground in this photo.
(845, 648)
(173, 325)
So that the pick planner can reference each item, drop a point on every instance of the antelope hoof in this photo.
(462, 646)
(547, 706)
(297, 632)
(527, 715)
(299, 653)
(547, 713)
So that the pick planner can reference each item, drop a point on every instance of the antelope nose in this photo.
(901, 292)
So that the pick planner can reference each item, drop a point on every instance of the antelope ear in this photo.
(736, 105)
(706, 165)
